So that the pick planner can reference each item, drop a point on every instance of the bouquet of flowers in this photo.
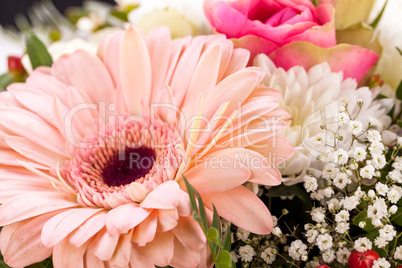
(172, 133)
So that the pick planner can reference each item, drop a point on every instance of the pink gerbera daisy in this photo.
(93, 150)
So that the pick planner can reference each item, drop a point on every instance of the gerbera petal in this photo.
(68, 255)
(276, 149)
(58, 227)
(145, 231)
(167, 219)
(184, 257)
(104, 244)
(28, 205)
(190, 234)
(208, 178)
(122, 254)
(135, 70)
(238, 61)
(91, 260)
(88, 229)
(88, 73)
(108, 52)
(159, 250)
(165, 196)
(126, 217)
(21, 244)
(237, 210)
(138, 260)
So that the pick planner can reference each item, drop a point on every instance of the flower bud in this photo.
(304, 258)
(362, 224)
(285, 211)
(393, 209)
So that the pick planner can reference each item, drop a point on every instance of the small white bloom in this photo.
(235, 257)
(381, 188)
(342, 227)
(275, 220)
(380, 242)
(393, 209)
(362, 224)
(398, 253)
(312, 264)
(359, 193)
(268, 255)
(371, 194)
(277, 232)
(333, 205)
(376, 147)
(341, 180)
(328, 256)
(304, 258)
(328, 192)
(350, 202)
(342, 255)
(243, 234)
(393, 195)
(310, 183)
(356, 127)
(324, 242)
(311, 235)
(343, 118)
(340, 157)
(373, 135)
(367, 172)
(377, 210)
(379, 161)
(246, 253)
(342, 216)
(399, 142)
(381, 263)
(388, 232)
(375, 123)
(318, 214)
(319, 195)
(297, 249)
(329, 172)
(359, 153)
(362, 244)
(395, 175)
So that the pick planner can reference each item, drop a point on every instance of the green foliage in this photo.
(377, 20)
(220, 249)
(37, 51)
(362, 216)
(399, 91)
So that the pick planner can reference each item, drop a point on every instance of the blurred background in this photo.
(10, 9)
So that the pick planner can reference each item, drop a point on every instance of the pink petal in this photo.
(104, 244)
(21, 244)
(139, 260)
(238, 61)
(145, 231)
(190, 234)
(28, 205)
(108, 52)
(246, 211)
(160, 250)
(68, 255)
(167, 219)
(58, 227)
(165, 196)
(135, 70)
(89, 74)
(183, 256)
(276, 149)
(88, 229)
(33, 128)
(122, 254)
(338, 57)
(219, 174)
(9, 157)
(255, 45)
(91, 260)
(126, 217)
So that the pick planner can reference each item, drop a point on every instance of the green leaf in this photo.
(397, 217)
(201, 208)
(399, 123)
(227, 243)
(362, 216)
(121, 15)
(399, 50)
(399, 91)
(216, 223)
(377, 20)
(37, 51)
(190, 194)
(214, 236)
(5, 80)
(224, 260)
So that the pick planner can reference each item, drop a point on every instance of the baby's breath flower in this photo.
(362, 244)
(393, 209)
(268, 255)
(328, 256)
(381, 188)
(318, 214)
(367, 172)
(398, 253)
(342, 227)
(324, 242)
(388, 232)
(359, 153)
(297, 249)
(381, 263)
(342, 216)
(277, 232)
(342, 255)
(380, 242)
(340, 157)
(393, 195)
(311, 235)
(341, 180)
(246, 253)
(356, 127)
(242, 234)
(310, 183)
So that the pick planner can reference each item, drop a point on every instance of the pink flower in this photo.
(265, 25)
(282, 29)
(93, 150)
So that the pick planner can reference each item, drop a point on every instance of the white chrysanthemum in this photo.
(182, 17)
(307, 95)
(363, 244)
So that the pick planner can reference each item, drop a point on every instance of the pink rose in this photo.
(290, 32)
(265, 25)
